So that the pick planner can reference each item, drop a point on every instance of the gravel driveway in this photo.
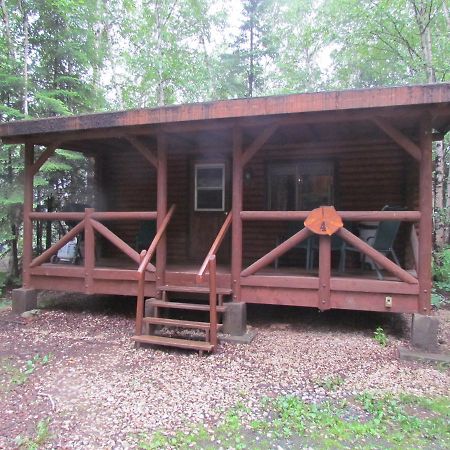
(100, 392)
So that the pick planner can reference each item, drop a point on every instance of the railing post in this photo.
(140, 298)
(89, 251)
(27, 209)
(212, 301)
(161, 206)
(324, 271)
(426, 210)
(236, 226)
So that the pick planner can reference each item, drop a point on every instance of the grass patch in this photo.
(14, 375)
(41, 437)
(366, 421)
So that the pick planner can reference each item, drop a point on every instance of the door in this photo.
(210, 202)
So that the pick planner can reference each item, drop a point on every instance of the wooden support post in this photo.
(426, 210)
(324, 271)
(212, 301)
(89, 251)
(161, 208)
(27, 209)
(236, 226)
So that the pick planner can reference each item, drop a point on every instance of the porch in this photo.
(244, 177)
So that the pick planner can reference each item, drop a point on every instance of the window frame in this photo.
(197, 188)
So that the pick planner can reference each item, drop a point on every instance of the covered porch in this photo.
(234, 182)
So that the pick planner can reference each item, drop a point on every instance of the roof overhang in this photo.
(346, 105)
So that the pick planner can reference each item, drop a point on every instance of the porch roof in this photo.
(402, 105)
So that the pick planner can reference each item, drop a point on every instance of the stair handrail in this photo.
(145, 259)
(212, 301)
(215, 246)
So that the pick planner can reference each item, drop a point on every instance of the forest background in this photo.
(62, 57)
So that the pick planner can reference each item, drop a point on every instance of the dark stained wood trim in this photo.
(403, 141)
(77, 229)
(119, 243)
(404, 216)
(426, 221)
(48, 152)
(324, 272)
(236, 225)
(377, 257)
(282, 281)
(27, 209)
(142, 149)
(226, 109)
(279, 250)
(89, 250)
(253, 148)
(161, 208)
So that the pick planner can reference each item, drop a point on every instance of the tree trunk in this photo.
(26, 51)
(159, 56)
(251, 71)
(5, 19)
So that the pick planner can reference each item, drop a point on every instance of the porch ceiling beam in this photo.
(143, 149)
(49, 151)
(253, 148)
(405, 142)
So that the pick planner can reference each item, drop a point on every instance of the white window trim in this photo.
(222, 187)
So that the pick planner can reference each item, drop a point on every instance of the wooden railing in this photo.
(214, 247)
(89, 222)
(212, 300)
(145, 258)
(325, 244)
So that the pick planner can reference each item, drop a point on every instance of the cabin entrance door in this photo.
(210, 203)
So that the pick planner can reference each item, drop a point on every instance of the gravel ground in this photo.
(100, 392)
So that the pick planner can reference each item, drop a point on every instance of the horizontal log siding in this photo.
(365, 179)
(128, 184)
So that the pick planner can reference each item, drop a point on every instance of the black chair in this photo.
(293, 228)
(383, 242)
(146, 234)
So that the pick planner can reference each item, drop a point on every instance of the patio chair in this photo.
(383, 242)
(336, 245)
(295, 227)
(146, 234)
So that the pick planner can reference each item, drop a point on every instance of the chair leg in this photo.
(394, 257)
(342, 260)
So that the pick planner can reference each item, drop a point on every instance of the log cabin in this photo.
(263, 200)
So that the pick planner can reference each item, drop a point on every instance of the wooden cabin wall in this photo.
(366, 178)
(126, 182)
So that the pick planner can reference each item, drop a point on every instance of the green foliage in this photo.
(367, 421)
(331, 383)
(39, 440)
(17, 375)
(380, 336)
(441, 267)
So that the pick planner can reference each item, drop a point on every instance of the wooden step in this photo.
(172, 342)
(179, 323)
(181, 305)
(194, 289)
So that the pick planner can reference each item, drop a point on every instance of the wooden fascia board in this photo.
(231, 109)
(141, 148)
(396, 135)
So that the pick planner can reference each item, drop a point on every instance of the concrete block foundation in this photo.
(424, 332)
(23, 300)
(235, 319)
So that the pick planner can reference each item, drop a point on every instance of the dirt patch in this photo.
(99, 392)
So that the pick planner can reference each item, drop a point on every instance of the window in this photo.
(210, 187)
(300, 186)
